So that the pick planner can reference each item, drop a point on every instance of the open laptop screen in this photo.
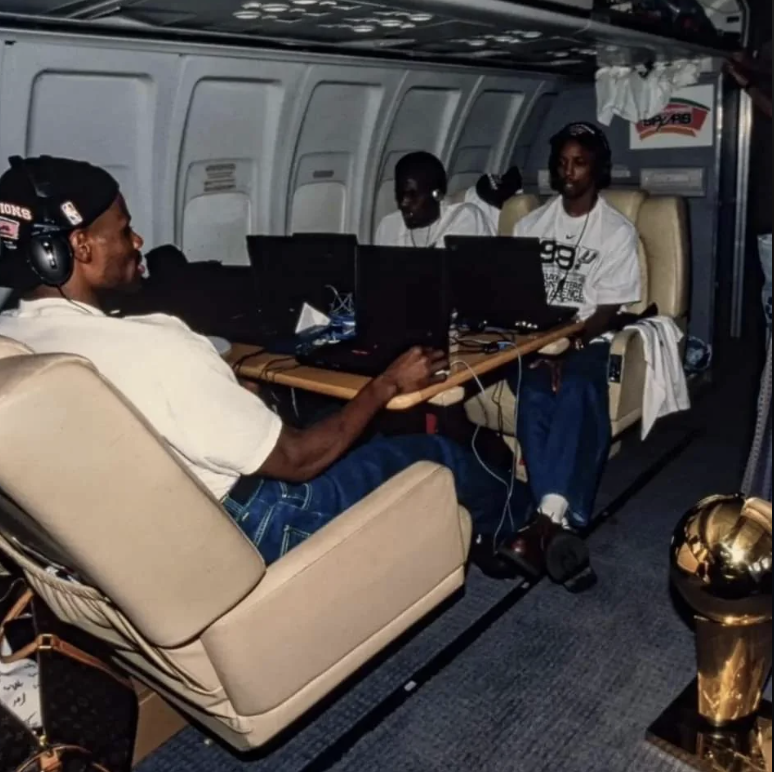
(496, 282)
(289, 271)
(403, 293)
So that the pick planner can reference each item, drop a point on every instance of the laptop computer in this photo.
(288, 272)
(402, 300)
(498, 283)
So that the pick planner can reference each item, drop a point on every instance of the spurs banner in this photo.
(687, 121)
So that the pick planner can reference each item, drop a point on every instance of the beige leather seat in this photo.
(171, 583)
(517, 208)
(662, 223)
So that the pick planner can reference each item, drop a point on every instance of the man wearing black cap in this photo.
(590, 263)
(67, 244)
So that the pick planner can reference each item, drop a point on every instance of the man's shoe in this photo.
(491, 564)
(567, 557)
(547, 548)
(528, 550)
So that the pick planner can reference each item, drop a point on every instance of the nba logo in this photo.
(71, 213)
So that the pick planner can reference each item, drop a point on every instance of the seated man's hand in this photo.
(416, 370)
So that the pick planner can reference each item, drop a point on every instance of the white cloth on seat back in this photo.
(593, 260)
(492, 213)
(174, 377)
(666, 387)
(455, 220)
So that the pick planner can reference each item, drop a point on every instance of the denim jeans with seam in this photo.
(279, 516)
(566, 437)
(764, 248)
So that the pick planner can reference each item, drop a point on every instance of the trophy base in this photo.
(682, 733)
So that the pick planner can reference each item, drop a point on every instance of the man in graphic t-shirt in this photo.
(590, 257)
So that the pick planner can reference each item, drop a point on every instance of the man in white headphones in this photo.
(424, 219)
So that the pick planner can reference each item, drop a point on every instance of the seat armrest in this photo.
(336, 593)
(627, 373)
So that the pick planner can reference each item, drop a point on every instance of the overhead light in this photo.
(420, 18)
(390, 23)
(532, 35)
(304, 2)
(275, 7)
(247, 15)
(364, 29)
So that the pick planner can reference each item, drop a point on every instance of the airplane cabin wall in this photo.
(579, 103)
(210, 144)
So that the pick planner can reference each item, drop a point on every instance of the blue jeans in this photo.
(764, 246)
(566, 437)
(279, 516)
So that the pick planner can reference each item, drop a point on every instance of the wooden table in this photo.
(256, 364)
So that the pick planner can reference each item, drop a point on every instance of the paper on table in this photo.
(311, 317)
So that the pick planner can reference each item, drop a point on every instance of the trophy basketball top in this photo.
(722, 560)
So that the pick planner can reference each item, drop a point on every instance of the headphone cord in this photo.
(82, 308)
(563, 281)
(445, 226)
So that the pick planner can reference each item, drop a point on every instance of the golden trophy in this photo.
(722, 567)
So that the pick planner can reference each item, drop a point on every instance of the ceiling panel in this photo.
(494, 31)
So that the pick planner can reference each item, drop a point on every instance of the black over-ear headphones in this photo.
(603, 169)
(49, 252)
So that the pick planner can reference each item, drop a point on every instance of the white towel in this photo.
(666, 387)
(636, 95)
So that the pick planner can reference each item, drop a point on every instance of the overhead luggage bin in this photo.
(567, 37)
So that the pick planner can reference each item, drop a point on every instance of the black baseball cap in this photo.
(496, 189)
(59, 194)
(587, 134)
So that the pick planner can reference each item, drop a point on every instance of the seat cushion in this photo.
(12, 348)
(664, 229)
(628, 202)
(516, 209)
(87, 470)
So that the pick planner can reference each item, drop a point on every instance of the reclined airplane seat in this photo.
(156, 568)
(663, 226)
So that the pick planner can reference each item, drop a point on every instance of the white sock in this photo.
(556, 507)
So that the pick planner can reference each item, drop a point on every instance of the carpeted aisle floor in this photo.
(564, 683)
(559, 683)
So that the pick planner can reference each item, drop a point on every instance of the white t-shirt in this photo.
(173, 376)
(587, 261)
(455, 220)
(492, 213)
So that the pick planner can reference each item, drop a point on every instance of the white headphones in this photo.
(438, 196)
